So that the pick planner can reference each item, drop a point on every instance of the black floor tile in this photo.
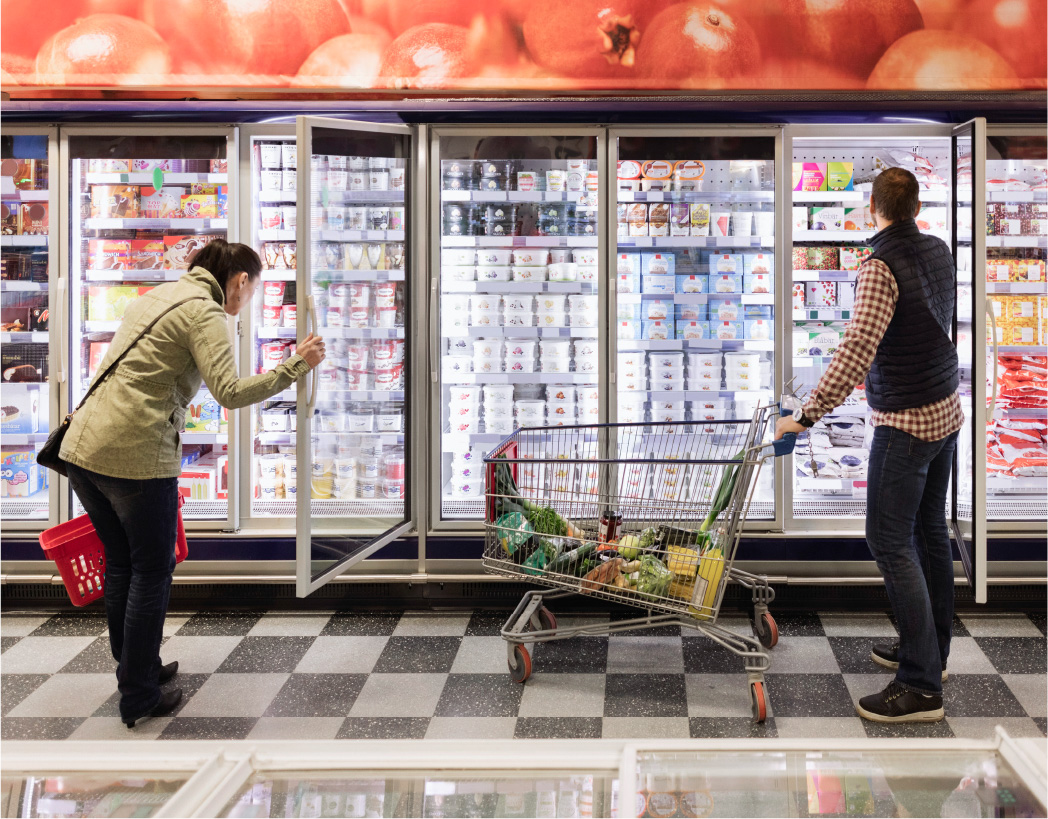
(16, 687)
(383, 728)
(1015, 655)
(486, 623)
(406, 655)
(361, 624)
(645, 695)
(908, 730)
(959, 629)
(853, 655)
(220, 624)
(731, 728)
(39, 727)
(798, 623)
(809, 695)
(703, 656)
(208, 728)
(7, 642)
(576, 655)
(73, 624)
(97, 658)
(266, 655)
(979, 695)
(189, 683)
(559, 728)
(1039, 619)
(1042, 723)
(480, 695)
(653, 631)
(317, 695)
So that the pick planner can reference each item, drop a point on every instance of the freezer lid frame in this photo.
(306, 579)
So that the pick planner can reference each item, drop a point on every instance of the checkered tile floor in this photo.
(438, 675)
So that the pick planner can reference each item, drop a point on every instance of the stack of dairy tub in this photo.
(498, 409)
(467, 472)
(496, 264)
(277, 476)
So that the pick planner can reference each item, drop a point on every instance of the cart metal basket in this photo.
(677, 494)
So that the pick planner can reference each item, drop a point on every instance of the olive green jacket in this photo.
(129, 427)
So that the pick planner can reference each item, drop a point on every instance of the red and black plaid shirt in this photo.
(876, 295)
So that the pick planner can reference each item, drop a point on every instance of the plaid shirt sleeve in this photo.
(876, 295)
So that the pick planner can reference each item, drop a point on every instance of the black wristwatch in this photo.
(802, 419)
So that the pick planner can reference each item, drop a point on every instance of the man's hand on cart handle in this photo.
(787, 424)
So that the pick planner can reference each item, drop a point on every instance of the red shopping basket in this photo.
(80, 556)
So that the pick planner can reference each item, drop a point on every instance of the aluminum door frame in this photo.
(231, 521)
(474, 528)
(306, 581)
(58, 328)
(773, 130)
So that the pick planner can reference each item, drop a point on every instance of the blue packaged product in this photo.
(698, 283)
(628, 330)
(721, 263)
(629, 283)
(725, 283)
(656, 330)
(657, 284)
(655, 264)
(727, 330)
(628, 311)
(657, 309)
(21, 411)
(628, 263)
(759, 329)
(725, 310)
(20, 473)
(758, 263)
(757, 283)
(691, 312)
(756, 311)
(693, 330)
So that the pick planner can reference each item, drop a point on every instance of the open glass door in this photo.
(968, 499)
(349, 474)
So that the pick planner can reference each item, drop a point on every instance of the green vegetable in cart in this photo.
(647, 537)
(543, 519)
(653, 578)
(722, 497)
(538, 560)
(568, 561)
(513, 531)
(629, 546)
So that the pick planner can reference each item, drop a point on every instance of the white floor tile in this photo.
(481, 655)
(1000, 625)
(432, 624)
(858, 625)
(199, 655)
(289, 625)
(20, 625)
(720, 695)
(111, 728)
(471, 728)
(803, 655)
(646, 728)
(399, 695)
(341, 655)
(819, 727)
(42, 655)
(296, 728)
(967, 658)
(563, 695)
(645, 655)
(234, 695)
(986, 727)
(1031, 690)
(67, 695)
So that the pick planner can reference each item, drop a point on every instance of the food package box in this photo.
(798, 298)
(693, 284)
(629, 283)
(207, 188)
(109, 166)
(628, 263)
(637, 219)
(759, 329)
(22, 172)
(205, 414)
(1021, 308)
(726, 283)
(839, 176)
(726, 263)
(656, 330)
(115, 201)
(657, 284)
(147, 254)
(10, 218)
(14, 319)
(758, 264)
(628, 329)
(846, 295)
(166, 165)
(34, 218)
(800, 218)
(1028, 270)
(109, 302)
(824, 258)
(933, 219)
(628, 311)
(756, 283)
(1003, 226)
(657, 264)
(218, 166)
(165, 203)
(22, 363)
(820, 294)
(812, 340)
(700, 219)
(20, 413)
(725, 310)
(691, 312)
(659, 219)
(728, 330)
(197, 482)
(657, 309)
(800, 258)
(108, 254)
(199, 206)
(693, 330)
(179, 249)
(854, 219)
(809, 176)
(20, 475)
(680, 219)
(756, 311)
(829, 218)
(1019, 334)
(223, 202)
(851, 258)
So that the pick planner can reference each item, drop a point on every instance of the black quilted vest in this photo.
(916, 362)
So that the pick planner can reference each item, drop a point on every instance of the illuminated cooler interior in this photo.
(126, 237)
(830, 231)
(693, 303)
(518, 305)
(24, 325)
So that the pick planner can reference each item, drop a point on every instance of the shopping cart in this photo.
(648, 515)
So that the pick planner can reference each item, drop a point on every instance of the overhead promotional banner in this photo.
(516, 46)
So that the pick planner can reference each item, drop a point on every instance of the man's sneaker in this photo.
(887, 654)
(896, 704)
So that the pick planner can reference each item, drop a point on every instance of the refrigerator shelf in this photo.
(279, 275)
(13, 439)
(697, 196)
(25, 196)
(855, 487)
(132, 275)
(1031, 413)
(492, 439)
(698, 344)
(156, 224)
(146, 178)
(996, 484)
(533, 332)
(830, 196)
(206, 509)
(521, 378)
(825, 275)
(362, 332)
(822, 314)
(689, 395)
(696, 241)
(360, 235)
(365, 197)
(22, 287)
(291, 438)
(101, 326)
(1022, 349)
(348, 395)
(33, 507)
(1017, 196)
(277, 196)
(23, 241)
(847, 236)
(33, 337)
(519, 241)
(514, 196)
(276, 235)
(359, 275)
(1016, 241)
(804, 361)
(518, 287)
(1017, 287)
(204, 437)
(373, 508)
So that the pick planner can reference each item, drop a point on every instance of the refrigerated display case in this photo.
(516, 306)
(694, 294)
(30, 288)
(141, 202)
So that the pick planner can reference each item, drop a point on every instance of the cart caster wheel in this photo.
(758, 703)
(768, 631)
(547, 620)
(522, 658)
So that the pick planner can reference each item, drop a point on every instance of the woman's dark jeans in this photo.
(907, 534)
(136, 522)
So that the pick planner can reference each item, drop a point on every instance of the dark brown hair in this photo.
(896, 194)
(222, 260)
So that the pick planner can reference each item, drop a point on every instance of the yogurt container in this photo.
(452, 365)
(485, 301)
(519, 318)
(556, 365)
(584, 255)
(493, 256)
(494, 274)
(520, 355)
(530, 412)
(483, 363)
(517, 301)
(459, 273)
(498, 399)
(582, 318)
(485, 318)
(563, 272)
(530, 257)
(529, 274)
(559, 255)
(499, 426)
(458, 256)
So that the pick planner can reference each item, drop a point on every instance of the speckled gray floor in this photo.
(443, 674)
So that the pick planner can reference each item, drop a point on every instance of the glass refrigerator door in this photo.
(517, 296)
(1016, 244)
(353, 196)
(139, 206)
(28, 286)
(974, 314)
(694, 286)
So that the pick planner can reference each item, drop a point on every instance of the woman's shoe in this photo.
(168, 703)
(168, 671)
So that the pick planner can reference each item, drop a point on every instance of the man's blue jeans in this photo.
(907, 534)
(136, 522)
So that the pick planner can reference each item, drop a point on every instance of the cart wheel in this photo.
(758, 704)
(522, 658)
(768, 633)
(547, 620)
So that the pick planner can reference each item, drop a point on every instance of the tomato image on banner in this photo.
(501, 47)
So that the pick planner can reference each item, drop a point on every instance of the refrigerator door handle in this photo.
(311, 324)
(992, 407)
(433, 330)
(63, 332)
